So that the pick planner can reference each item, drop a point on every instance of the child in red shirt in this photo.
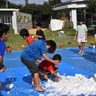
(48, 67)
(25, 34)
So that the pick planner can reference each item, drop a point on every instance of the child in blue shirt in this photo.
(31, 55)
(3, 38)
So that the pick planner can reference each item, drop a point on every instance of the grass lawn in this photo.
(63, 41)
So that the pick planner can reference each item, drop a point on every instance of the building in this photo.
(26, 2)
(75, 9)
(15, 19)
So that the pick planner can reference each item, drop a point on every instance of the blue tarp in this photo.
(17, 74)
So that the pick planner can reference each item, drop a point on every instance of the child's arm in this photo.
(55, 75)
(75, 36)
(38, 60)
(50, 60)
(2, 67)
(44, 75)
(38, 36)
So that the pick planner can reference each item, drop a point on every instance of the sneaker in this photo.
(80, 52)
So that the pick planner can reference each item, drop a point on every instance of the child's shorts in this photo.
(31, 65)
(81, 39)
(1, 66)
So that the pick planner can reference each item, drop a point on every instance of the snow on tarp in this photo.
(77, 74)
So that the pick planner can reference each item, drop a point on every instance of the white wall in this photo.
(14, 22)
(73, 17)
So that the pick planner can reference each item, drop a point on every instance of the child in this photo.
(3, 38)
(25, 34)
(39, 32)
(31, 55)
(46, 66)
(81, 35)
(8, 49)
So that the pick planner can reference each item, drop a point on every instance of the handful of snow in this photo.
(9, 86)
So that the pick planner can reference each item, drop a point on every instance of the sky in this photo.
(30, 1)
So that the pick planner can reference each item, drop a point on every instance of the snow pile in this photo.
(71, 86)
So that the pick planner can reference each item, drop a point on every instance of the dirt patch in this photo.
(33, 30)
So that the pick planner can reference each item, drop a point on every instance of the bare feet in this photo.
(33, 83)
(38, 88)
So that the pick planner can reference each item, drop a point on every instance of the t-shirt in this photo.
(81, 30)
(30, 40)
(40, 33)
(46, 66)
(2, 48)
(34, 50)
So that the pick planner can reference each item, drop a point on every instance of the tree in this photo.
(92, 5)
(40, 13)
(2, 3)
(10, 5)
(54, 2)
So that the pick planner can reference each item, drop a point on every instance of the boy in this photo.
(25, 34)
(31, 55)
(3, 38)
(8, 49)
(81, 35)
(39, 32)
(46, 66)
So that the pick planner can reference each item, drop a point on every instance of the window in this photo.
(6, 20)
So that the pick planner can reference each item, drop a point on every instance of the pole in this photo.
(6, 3)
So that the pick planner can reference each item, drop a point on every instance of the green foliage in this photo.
(54, 2)
(2, 3)
(40, 13)
(92, 5)
(10, 5)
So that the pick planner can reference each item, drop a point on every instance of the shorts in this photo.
(31, 65)
(81, 39)
(1, 66)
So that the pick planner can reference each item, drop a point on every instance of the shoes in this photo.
(80, 52)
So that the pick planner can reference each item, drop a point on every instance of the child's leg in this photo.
(33, 81)
(37, 82)
(32, 66)
(79, 46)
(0, 85)
(82, 48)
(44, 75)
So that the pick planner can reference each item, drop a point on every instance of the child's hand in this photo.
(46, 77)
(56, 62)
(23, 46)
(57, 78)
(3, 69)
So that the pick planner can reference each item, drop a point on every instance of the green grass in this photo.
(15, 41)
(66, 40)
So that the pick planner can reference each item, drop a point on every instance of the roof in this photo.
(8, 9)
(70, 4)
